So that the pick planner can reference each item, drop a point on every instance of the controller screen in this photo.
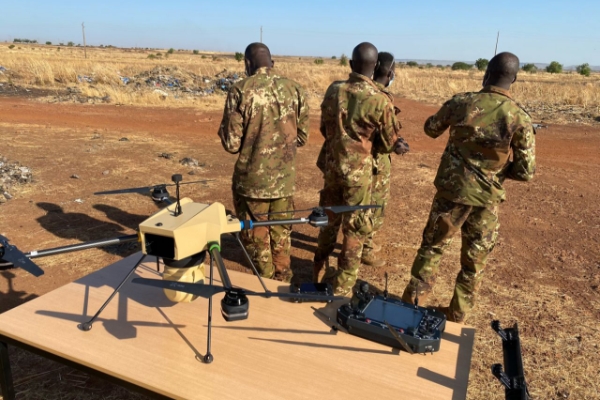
(395, 315)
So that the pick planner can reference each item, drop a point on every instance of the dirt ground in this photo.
(543, 274)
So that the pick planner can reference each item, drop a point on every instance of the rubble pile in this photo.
(174, 79)
(12, 174)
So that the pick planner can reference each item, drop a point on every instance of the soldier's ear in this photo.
(515, 79)
(272, 63)
(351, 65)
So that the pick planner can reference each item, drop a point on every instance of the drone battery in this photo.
(323, 289)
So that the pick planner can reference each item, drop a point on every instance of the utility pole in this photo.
(497, 37)
(261, 33)
(83, 31)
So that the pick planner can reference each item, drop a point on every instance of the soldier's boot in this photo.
(285, 275)
(376, 248)
(451, 315)
(372, 261)
(329, 276)
(317, 268)
(410, 294)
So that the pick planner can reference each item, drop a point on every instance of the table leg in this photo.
(6, 382)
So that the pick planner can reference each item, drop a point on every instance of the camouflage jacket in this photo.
(382, 161)
(354, 115)
(485, 127)
(265, 120)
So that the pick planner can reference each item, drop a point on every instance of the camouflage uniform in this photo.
(346, 159)
(485, 127)
(265, 120)
(380, 189)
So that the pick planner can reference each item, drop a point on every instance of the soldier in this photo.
(353, 113)
(485, 127)
(380, 190)
(265, 120)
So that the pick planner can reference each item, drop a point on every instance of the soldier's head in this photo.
(384, 73)
(364, 59)
(256, 56)
(502, 70)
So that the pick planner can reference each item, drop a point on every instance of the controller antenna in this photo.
(177, 178)
(417, 295)
(385, 291)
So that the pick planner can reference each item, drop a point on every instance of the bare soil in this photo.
(543, 274)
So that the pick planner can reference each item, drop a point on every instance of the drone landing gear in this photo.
(86, 326)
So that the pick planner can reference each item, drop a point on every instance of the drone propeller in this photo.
(208, 291)
(147, 189)
(333, 209)
(15, 256)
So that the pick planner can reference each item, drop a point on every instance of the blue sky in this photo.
(537, 31)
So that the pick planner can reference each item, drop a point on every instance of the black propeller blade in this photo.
(15, 256)
(147, 189)
(207, 291)
(333, 209)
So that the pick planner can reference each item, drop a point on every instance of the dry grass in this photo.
(565, 97)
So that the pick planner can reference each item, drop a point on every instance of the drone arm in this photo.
(215, 254)
(82, 246)
(246, 225)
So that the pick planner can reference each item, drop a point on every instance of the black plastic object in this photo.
(324, 289)
(147, 189)
(159, 246)
(235, 306)
(392, 322)
(512, 376)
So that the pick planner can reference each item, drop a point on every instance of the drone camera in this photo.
(159, 246)
(176, 178)
(234, 306)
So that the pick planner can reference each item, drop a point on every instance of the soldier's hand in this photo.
(401, 147)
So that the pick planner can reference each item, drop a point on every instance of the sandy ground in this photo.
(543, 274)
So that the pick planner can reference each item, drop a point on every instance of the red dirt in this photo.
(544, 272)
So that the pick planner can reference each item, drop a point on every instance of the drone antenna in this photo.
(177, 178)
(385, 291)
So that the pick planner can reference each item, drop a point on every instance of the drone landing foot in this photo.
(208, 358)
(86, 326)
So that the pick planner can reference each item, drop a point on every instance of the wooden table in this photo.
(282, 351)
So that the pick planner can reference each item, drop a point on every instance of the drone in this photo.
(182, 234)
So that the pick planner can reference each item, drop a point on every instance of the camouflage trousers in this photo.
(355, 228)
(380, 193)
(479, 232)
(268, 246)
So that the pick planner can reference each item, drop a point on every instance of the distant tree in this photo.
(440, 66)
(554, 68)
(319, 61)
(203, 56)
(429, 65)
(171, 51)
(12, 46)
(151, 56)
(70, 44)
(530, 68)
(195, 52)
(481, 64)
(239, 56)
(34, 41)
(412, 64)
(461, 66)
(49, 43)
(584, 69)
(333, 57)
(61, 44)
(344, 60)
(15, 40)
